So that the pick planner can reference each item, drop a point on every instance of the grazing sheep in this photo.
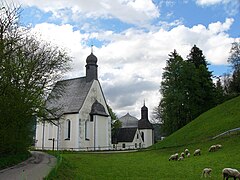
(182, 154)
(218, 146)
(212, 148)
(229, 172)
(174, 157)
(206, 172)
(188, 155)
(186, 151)
(180, 158)
(197, 152)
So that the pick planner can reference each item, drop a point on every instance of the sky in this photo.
(132, 40)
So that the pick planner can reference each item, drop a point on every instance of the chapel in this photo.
(78, 114)
(134, 133)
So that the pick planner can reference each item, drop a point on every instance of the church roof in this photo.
(124, 135)
(68, 96)
(128, 121)
(144, 124)
(98, 109)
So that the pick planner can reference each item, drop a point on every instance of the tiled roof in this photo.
(128, 121)
(144, 124)
(98, 109)
(124, 135)
(68, 96)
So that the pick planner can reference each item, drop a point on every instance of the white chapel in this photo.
(80, 118)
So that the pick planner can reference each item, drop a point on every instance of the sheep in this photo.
(206, 172)
(212, 148)
(186, 151)
(229, 172)
(218, 146)
(173, 157)
(183, 154)
(180, 158)
(197, 152)
(188, 155)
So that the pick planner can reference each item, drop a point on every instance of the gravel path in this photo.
(35, 168)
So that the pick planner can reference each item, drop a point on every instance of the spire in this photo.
(144, 111)
(91, 49)
(91, 67)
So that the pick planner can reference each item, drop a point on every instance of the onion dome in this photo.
(91, 59)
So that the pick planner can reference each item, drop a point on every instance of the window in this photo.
(142, 135)
(50, 129)
(123, 145)
(139, 145)
(137, 136)
(87, 130)
(68, 129)
(91, 118)
(135, 145)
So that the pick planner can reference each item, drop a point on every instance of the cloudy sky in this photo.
(132, 39)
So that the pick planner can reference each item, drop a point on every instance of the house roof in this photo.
(68, 96)
(144, 124)
(98, 109)
(128, 121)
(124, 135)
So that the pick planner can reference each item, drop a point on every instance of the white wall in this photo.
(148, 137)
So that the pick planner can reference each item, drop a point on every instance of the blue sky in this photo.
(132, 39)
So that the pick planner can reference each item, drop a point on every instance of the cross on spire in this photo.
(92, 49)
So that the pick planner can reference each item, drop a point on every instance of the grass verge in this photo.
(13, 159)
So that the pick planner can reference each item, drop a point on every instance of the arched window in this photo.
(68, 129)
(142, 135)
(86, 130)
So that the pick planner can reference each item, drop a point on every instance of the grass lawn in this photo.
(154, 164)
(151, 164)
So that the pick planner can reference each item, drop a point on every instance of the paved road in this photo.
(35, 168)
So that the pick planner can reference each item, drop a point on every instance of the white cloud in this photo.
(131, 62)
(232, 7)
(137, 12)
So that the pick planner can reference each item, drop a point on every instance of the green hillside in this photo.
(154, 163)
(211, 123)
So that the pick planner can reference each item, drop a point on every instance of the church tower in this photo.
(91, 68)
(144, 112)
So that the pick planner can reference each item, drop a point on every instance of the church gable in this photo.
(68, 96)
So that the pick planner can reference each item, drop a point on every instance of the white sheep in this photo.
(173, 157)
(206, 172)
(180, 158)
(183, 154)
(197, 152)
(229, 172)
(218, 146)
(188, 155)
(186, 151)
(212, 148)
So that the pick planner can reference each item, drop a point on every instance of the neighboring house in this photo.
(81, 119)
(134, 133)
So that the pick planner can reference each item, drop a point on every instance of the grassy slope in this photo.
(215, 121)
(151, 164)
(154, 164)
